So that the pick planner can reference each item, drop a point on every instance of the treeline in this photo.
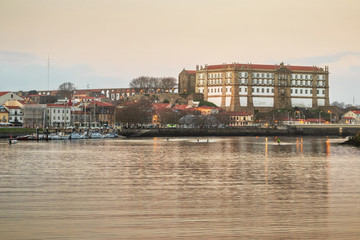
(149, 83)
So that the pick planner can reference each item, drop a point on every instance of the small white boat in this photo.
(75, 135)
(54, 136)
(110, 135)
(96, 135)
(12, 141)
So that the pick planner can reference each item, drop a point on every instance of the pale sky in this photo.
(107, 43)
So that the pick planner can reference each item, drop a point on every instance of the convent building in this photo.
(238, 86)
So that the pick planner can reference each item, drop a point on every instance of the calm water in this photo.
(227, 188)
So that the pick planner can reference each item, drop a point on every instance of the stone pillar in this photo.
(327, 87)
(314, 93)
(235, 101)
(250, 103)
(287, 94)
(206, 90)
(276, 90)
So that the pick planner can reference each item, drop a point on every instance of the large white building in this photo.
(233, 86)
(59, 115)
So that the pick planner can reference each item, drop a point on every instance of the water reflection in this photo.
(198, 188)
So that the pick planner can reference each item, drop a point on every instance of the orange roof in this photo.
(191, 71)
(356, 111)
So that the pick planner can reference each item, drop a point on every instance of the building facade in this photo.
(187, 81)
(236, 87)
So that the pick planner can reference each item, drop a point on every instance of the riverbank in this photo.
(16, 132)
(297, 130)
(318, 130)
(355, 140)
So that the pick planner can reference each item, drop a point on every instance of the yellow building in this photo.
(4, 115)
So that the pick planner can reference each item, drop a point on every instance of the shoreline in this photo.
(316, 130)
(339, 131)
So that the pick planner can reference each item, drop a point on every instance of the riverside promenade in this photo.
(294, 130)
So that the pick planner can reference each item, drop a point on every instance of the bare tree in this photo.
(135, 113)
(167, 83)
(153, 83)
(66, 90)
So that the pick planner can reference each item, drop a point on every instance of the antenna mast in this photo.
(48, 87)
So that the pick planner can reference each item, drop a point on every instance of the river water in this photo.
(180, 188)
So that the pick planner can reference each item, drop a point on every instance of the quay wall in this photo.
(244, 131)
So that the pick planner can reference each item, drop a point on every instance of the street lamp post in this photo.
(330, 115)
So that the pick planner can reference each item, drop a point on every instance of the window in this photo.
(239, 89)
(291, 91)
(245, 89)
(296, 91)
(317, 91)
(272, 90)
(58, 110)
(323, 91)
(306, 91)
(301, 91)
(257, 90)
(262, 90)
(310, 91)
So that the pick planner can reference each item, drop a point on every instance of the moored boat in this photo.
(96, 135)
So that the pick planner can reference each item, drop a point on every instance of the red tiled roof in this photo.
(207, 107)
(349, 117)
(236, 114)
(35, 95)
(315, 120)
(356, 111)
(3, 93)
(264, 67)
(78, 112)
(160, 106)
(191, 71)
(13, 107)
(56, 105)
(103, 104)
(182, 107)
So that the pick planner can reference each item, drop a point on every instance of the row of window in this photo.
(257, 75)
(59, 111)
(262, 90)
(266, 75)
(217, 90)
(58, 118)
(306, 91)
(261, 81)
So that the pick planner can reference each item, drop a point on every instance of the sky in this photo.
(107, 43)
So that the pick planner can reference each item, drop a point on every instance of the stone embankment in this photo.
(324, 130)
